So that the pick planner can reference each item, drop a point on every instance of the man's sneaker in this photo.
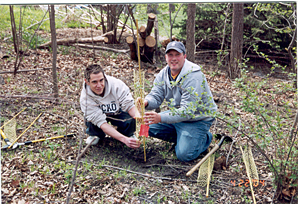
(90, 138)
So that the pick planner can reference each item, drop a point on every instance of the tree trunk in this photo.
(15, 39)
(113, 14)
(104, 30)
(171, 24)
(236, 41)
(156, 34)
(14, 30)
(68, 41)
(190, 30)
(152, 8)
(54, 50)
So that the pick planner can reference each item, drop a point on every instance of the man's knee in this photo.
(185, 155)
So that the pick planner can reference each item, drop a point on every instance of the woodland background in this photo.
(251, 69)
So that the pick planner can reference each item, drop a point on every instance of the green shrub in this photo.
(269, 126)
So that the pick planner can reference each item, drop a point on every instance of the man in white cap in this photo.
(183, 85)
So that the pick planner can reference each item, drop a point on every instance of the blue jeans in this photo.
(126, 125)
(191, 138)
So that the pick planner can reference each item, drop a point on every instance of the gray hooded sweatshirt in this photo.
(116, 96)
(191, 87)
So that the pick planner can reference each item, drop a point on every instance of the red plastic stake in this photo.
(144, 130)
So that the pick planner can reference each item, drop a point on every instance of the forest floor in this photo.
(110, 172)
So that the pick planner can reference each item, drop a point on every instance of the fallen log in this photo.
(68, 41)
(25, 70)
(102, 48)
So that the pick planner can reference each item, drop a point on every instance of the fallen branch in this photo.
(145, 175)
(26, 70)
(102, 48)
(27, 96)
(67, 41)
(234, 141)
(76, 166)
(40, 22)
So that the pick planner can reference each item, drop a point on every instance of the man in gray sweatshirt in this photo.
(107, 99)
(183, 85)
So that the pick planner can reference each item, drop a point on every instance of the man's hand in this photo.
(128, 141)
(151, 118)
(132, 143)
(140, 102)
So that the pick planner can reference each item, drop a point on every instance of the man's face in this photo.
(175, 61)
(97, 83)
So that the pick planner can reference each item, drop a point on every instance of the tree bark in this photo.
(236, 41)
(156, 33)
(132, 47)
(104, 30)
(142, 31)
(147, 42)
(150, 43)
(171, 25)
(54, 50)
(152, 8)
(14, 30)
(150, 23)
(114, 11)
(190, 30)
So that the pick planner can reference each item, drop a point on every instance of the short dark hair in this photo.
(93, 69)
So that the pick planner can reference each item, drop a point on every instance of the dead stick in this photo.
(46, 97)
(234, 141)
(25, 70)
(76, 166)
(26, 96)
(74, 172)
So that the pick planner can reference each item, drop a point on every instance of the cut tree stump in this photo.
(150, 23)
(133, 50)
(146, 42)
(142, 31)
(150, 43)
